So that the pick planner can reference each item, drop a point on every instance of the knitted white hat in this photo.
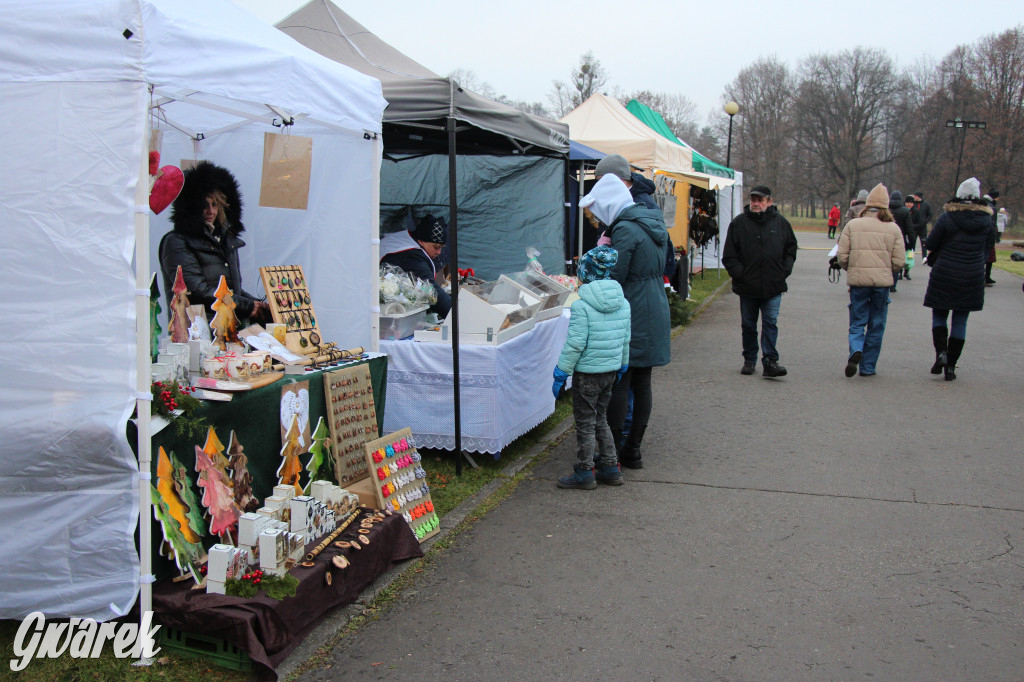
(969, 189)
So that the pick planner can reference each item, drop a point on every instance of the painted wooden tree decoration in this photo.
(176, 507)
(154, 318)
(187, 555)
(183, 486)
(239, 471)
(224, 323)
(290, 470)
(217, 496)
(215, 450)
(178, 324)
(321, 461)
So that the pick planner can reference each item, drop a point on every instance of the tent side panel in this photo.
(506, 204)
(331, 240)
(67, 328)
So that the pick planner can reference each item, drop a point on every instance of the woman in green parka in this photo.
(639, 236)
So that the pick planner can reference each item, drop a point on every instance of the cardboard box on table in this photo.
(366, 493)
(489, 314)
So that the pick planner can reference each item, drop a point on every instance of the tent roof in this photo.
(210, 53)
(655, 122)
(604, 124)
(581, 152)
(417, 96)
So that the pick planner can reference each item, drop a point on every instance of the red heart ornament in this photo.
(169, 182)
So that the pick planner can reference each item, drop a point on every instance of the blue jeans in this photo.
(768, 308)
(869, 307)
(591, 394)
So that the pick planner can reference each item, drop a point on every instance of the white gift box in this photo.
(296, 545)
(302, 512)
(272, 551)
(319, 490)
(330, 521)
(274, 514)
(250, 525)
(214, 586)
(277, 501)
(285, 491)
(226, 562)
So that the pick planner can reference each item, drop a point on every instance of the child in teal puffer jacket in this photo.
(596, 353)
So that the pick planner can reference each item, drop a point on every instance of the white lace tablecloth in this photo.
(505, 389)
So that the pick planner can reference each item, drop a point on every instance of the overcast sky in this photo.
(691, 48)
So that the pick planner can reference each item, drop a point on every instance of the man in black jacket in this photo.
(760, 251)
(415, 250)
(921, 220)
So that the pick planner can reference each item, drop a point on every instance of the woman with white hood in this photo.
(639, 236)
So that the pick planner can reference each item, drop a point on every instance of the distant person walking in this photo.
(921, 220)
(833, 220)
(856, 206)
(957, 247)
(901, 215)
(759, 253)
(871, 252)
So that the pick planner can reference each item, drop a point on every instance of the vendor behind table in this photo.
(414, 252)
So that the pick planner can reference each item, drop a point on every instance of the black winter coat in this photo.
(901, 215)
(760, 251)
(202, 258)
(960, 240)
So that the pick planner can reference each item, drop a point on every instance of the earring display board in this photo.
(290, 305)
(352, 418)
(400, 482)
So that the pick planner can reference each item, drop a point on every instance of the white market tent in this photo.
(76, 80)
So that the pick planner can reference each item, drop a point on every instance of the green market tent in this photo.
(653, 120)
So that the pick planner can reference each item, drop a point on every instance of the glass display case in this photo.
(489, 313)
(551, 293)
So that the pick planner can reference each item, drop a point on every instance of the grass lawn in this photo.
(447, 491)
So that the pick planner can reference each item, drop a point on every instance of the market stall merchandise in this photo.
(498, 385)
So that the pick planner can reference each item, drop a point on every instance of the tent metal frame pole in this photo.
(579, 213)
(143, 385)
(453, 267)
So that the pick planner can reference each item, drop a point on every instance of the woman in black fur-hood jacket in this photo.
(207, 218)
(957, 248)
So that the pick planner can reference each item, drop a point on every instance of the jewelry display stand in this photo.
(400, 481)
(290, 305)
(352, 418)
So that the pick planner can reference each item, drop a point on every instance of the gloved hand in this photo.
(622, 370)
(559, 384)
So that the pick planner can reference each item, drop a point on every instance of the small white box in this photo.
(214, 586)
(320, 489)
(272, 551)
(285, 491)
(250, 525)
(296, 545)
(276, 502)
(275, 514)
(302, 509)
(226, 562)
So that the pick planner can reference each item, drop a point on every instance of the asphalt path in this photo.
(812, 527)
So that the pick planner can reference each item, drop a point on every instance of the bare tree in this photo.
(844, 111)
(586, 78)
(761, 132)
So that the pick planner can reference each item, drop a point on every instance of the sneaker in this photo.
(851, 364)
(892, 289)
(773, 369)
(748, 367)
(609, 475)
(578, 480)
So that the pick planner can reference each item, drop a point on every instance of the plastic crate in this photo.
(401, 325)
(210, 649)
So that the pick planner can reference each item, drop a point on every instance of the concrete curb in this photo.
(336, 621)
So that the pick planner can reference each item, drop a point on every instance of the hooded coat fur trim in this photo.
(200, 181)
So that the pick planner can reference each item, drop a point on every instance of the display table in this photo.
(268, 630)
(505, 389)
(255, 417)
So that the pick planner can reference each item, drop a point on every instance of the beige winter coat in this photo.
(870, 251)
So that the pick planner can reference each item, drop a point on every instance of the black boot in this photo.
(630, 456)
(939, 335)
(956, 346)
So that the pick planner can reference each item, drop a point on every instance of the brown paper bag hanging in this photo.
(287, 163)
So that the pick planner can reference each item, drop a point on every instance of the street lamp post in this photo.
(962, 125)
(732, 109)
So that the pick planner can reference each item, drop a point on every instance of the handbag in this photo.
(908, 261)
